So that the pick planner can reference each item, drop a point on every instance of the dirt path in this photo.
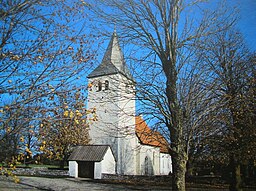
(7, 184)
(67, 184)
(63, 184)
(72, 184)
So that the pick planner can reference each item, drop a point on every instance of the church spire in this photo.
(114, 54)
(113, 61)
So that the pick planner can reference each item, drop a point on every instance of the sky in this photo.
(247, 22)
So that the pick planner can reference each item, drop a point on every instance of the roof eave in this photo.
(112, 73)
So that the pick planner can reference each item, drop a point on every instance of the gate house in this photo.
(91, 161)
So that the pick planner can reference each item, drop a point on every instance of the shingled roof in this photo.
(113, 61)
(94, 153)
(150, 137)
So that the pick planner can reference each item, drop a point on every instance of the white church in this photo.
(121, 142)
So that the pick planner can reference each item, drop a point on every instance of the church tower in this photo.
(112, 94)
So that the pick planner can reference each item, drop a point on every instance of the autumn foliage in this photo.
(66, 127)
(43, 52)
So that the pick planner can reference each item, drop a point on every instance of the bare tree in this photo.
(44, 47)
(164, 31)
(232, 71)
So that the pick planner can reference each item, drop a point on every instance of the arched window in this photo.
(99, 86)
(146, 165)
(106, 85)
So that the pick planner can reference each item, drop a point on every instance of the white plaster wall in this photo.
(138, 162)
(73, 168)
(107, 165)
(157, 161)
(106, 105)
(115, 110)
(153, 154)
(97, 170)
(165, 164)
(128, 142)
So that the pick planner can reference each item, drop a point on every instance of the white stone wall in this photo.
(115, 110)
(107, 165)
(97, 170)
(148, 160)
(165, 164)
(106, 104)
(73, 168)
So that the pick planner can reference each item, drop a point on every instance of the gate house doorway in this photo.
(85, 169)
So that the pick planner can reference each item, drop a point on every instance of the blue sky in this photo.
(247, 22)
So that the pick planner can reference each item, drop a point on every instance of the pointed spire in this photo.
(114, 53)
(113, 61)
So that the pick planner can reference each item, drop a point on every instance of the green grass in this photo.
(36, 165)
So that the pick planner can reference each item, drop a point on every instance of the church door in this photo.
(85, 169)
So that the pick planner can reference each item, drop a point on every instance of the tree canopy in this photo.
(45, 48)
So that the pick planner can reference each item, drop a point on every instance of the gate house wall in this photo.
(73, 169)
(107, 165)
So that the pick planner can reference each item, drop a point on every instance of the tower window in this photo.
(99, 86)
(106, 85)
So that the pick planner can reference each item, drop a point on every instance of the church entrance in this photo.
(85, 169)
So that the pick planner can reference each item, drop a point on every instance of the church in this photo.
(121, 142)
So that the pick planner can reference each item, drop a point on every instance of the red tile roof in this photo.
(150, 137)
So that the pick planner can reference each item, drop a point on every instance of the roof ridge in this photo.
(89, 152)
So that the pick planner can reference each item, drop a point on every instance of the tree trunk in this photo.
(179, 157)
(235, 182)
(179, 162)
